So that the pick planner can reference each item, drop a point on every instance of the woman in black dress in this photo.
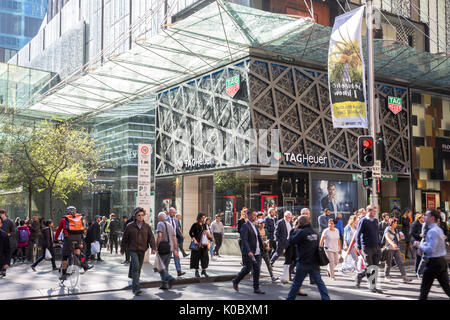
(201, 254)
(406, 221)
(416, 235)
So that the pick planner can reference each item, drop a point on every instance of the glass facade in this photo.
(20, 20)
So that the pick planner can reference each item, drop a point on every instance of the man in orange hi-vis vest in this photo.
(72, 226)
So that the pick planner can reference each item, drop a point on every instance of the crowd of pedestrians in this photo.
(362, 243)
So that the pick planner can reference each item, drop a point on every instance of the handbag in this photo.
(193, 246)
(164, 246)
(322, 257)
(48, 255)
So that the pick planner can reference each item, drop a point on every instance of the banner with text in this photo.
(346, 72)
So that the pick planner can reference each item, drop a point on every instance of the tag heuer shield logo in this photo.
(233, 86)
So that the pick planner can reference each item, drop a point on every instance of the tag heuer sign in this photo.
(395, 104)
(233, 86)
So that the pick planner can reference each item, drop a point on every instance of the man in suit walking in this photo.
(270, 222)
(174, 223)
(251, 252)
(282, 230)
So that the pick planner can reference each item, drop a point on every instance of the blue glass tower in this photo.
(20, 21)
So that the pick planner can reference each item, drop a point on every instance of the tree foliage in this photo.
(229, 183)
(63, 158)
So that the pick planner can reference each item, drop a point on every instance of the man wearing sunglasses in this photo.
(137, 238)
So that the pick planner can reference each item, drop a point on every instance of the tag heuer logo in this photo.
(395, 104)
(233, 86)
(180, 164)
(277, 156)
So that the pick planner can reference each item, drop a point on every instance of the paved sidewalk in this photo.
(111, 275)
(22, 282)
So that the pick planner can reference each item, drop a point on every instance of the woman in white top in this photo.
(349, 231)
(332, 244)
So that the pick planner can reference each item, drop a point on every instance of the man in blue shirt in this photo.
(323, 220)
(367, 243)
(433, 248)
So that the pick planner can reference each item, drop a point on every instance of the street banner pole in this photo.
(371, 92)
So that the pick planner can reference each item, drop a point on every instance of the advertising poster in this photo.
(338, 196)
(431, 200)
(346, 72)
(269, 201)
(229, 210)
(395, 207)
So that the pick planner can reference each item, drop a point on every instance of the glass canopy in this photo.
(212, 37)
(20, 86)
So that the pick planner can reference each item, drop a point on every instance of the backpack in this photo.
(23, 235)
(74, 224)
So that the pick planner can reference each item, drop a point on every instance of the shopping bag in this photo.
(158, 265)
(95, 247)
(360, 265)
(48, 255)
(348, 264)
(204, 241)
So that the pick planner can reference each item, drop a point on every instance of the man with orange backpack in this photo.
(73, 228)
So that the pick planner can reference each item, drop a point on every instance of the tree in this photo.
(15, 169)
(65, 157)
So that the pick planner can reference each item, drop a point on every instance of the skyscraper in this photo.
(20, 21)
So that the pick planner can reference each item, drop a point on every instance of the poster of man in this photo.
(395, 207)
(338, 196)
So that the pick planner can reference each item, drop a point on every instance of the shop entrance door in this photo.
(205, 195)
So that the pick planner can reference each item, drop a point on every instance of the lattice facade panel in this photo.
(198, 120)
(295, 101)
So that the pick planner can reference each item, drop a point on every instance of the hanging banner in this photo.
(346, 72)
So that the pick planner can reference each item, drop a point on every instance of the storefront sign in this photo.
(233, 86)
(346, 72)
(395, 104)
(384, 177)
(443, 146)
(197, 163)
(304, 158)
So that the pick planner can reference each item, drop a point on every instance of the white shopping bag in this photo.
(158, 266)
(48, 255)
(95, 247)
(360, 265)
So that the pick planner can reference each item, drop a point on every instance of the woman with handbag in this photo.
(199, 245)
(392, 237)
(47, 244)
(333, 248)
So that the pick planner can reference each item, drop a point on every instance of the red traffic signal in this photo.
(365, 151)
(367, 143)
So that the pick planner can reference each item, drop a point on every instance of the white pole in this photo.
(371, 91)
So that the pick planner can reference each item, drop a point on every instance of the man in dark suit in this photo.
(282, 230)
(251, 252)
(270, 222)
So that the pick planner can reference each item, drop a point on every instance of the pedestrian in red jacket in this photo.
(22, 239)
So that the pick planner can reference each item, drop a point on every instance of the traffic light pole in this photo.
(371, 92)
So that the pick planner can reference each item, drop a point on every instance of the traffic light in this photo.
(367, 178)
(365, 151)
